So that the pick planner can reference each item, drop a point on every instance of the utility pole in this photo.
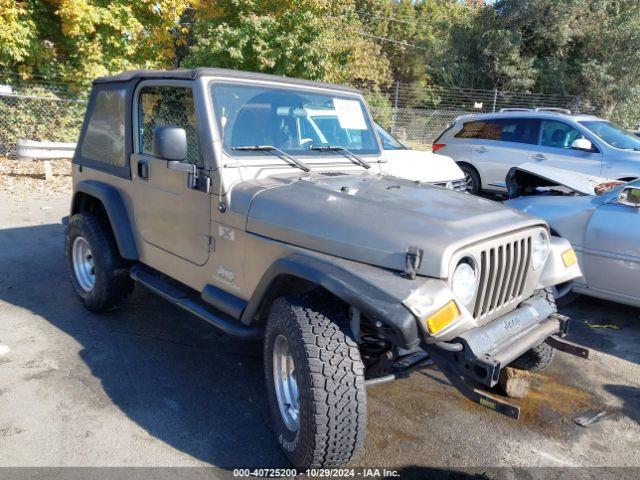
(495, 99)
(395, 107)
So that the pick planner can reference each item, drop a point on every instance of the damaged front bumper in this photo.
(481, 353)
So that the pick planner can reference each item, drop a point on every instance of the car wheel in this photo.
(471, 178)
(99, 275)
(536, 359)
(315, 382)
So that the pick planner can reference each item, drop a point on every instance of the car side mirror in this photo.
(629, 196)
(170, 143)
(582, 144)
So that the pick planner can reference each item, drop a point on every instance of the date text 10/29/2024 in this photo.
(316, 472)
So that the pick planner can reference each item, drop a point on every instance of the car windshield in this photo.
(389, 142)
(292, 120)
(613, 135)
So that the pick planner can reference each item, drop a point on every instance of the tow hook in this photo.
(567, 346)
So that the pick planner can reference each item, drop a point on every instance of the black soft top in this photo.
(191, 74)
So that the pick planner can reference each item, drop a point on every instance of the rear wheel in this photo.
(99, 275)
(315, 381)
(471, 178)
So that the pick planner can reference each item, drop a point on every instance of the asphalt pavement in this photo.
(152, 386)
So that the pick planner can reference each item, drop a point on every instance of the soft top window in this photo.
(104, 137)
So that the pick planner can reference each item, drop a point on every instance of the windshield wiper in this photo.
(270, 148)
(347, 153)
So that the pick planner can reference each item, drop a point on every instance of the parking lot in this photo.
(151, 386)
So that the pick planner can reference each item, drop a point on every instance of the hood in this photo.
(374, 219)
(421, 166)
(532, 175)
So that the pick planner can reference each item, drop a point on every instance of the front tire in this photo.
(99, 275)
(471, 178)
(315, 382)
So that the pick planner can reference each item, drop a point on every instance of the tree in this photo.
(315, 39)
(77, 40)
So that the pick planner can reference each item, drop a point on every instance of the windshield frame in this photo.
(307, 155)
(586, 125)
(383, 133)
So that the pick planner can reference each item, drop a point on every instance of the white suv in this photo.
(486, 146)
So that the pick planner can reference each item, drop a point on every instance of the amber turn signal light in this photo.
(569, 258)
(443, 317)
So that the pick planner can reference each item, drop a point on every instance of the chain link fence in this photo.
(416, 115)
(36, 112)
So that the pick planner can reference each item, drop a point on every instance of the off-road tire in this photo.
(113, 285)
(330, 379)
(538, 358)
(472, 173)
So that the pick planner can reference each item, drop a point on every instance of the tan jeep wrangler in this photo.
(212, 188)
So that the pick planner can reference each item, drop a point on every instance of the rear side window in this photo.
(104, 138)
(518, 130)
(167, 105)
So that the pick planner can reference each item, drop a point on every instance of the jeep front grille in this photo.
(503, 274)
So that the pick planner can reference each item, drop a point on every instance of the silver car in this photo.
(600, 218)
(486, 146)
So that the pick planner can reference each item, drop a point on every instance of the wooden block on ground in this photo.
(514, 382)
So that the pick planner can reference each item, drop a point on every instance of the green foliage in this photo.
(33, 118)
(589, 48)
(312, 39)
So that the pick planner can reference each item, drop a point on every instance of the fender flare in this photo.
(116, 213)
(345, 282)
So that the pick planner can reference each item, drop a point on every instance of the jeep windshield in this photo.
(613, 135)
(259, 116)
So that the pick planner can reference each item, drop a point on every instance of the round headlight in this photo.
(540, 250)
(463, 283)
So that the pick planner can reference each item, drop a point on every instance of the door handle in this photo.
(538, 157)
(143, 170)
(481, 149)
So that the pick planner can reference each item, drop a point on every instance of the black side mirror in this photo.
(170, 143)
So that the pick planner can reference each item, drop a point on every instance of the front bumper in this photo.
(480, 353)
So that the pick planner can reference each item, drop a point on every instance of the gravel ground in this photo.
(25, 178)
(151, 386)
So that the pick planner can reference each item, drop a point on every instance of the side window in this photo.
(475, 129)
(558, 134)
(519, 130)
(104, 139)
(159, 106)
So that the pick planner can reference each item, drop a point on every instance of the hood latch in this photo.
(412, 262)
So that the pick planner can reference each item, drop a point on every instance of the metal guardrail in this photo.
(29, 150)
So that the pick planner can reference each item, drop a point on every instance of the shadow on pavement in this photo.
(630, 397)
(608, 327)
(178, 378)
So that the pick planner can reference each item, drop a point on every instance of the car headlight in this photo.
(464, 282)
(540, 250)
